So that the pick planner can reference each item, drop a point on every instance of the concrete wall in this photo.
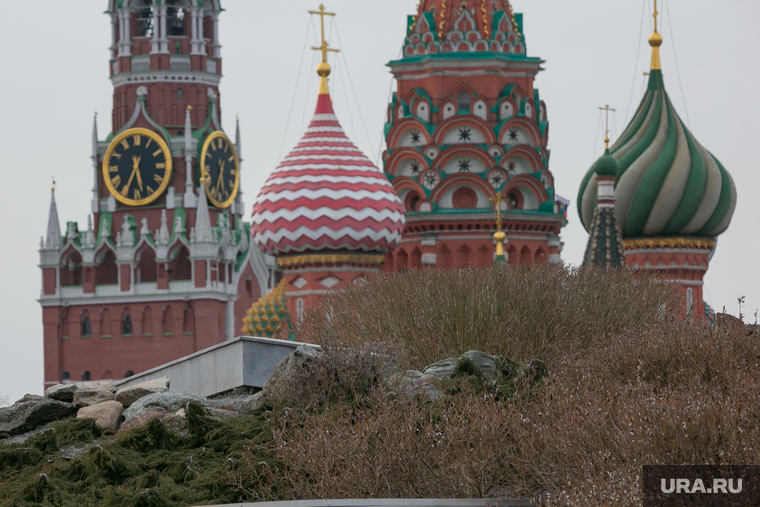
(242, 362)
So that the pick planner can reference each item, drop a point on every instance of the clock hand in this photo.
(132, 176)
(219, 182)
(136, 170)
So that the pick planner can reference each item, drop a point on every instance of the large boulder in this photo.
(167, 401)
(172, 421)
(65, 392)
(488, 366)
(129, 395)
(412, 383)
(106, 414)
(443, 369)
(282, 372)
(88, 397)
(25, 416)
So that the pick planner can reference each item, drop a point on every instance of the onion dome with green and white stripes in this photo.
(668, 184)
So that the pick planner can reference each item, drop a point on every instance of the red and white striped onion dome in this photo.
(326, 195)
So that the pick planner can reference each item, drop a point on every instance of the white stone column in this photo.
(217, 47)
(194, 40)
(163, 40)
(125, 40)
(189, 198)
(155, 45)
(229, 330)
(114, 48)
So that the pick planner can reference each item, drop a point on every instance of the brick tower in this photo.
(163, 268)
(465, 123)
(672, 196)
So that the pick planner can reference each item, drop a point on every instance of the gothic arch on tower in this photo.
(404, 134)
(407, 189)
(532, 192)
(464, 159)
(464, 130)
(402, 163)
(106, 269)
(520, 130)
(521, 159)
(443, 194)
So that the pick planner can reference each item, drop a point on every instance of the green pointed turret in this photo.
(605, 241)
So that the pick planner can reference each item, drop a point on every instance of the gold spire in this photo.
(655, 40)
(323, 69)
(499, 236)
(52, 187)
(607, 110)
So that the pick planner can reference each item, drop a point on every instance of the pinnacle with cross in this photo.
(497, 201)
(324, 47)
(607, 110)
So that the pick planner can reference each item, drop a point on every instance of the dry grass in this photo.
(519, 313)
(673, 393)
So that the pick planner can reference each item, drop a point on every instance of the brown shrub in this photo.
(670, 393)
(517, 313)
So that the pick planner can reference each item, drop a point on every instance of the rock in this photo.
(221, 415)
(167, 401)
(92, 397)
(174, 422)
(488, 365)
(30, 397)
(106, 414)
(129, 395)
(443, 369)
(28, 415)
(253, 403)
(65, 392)
(229, 408)
(412, 383)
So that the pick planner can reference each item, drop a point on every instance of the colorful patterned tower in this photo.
(673, 198)
(466, 122)
(605, 241)
(163, 267)
(327, 213)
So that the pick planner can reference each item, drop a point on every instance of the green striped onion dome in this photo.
(667, 183)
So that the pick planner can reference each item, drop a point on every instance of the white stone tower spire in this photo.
(53, 238)
(203, 232)
(95, 165)
(189, 199)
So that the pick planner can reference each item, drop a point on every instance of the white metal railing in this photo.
(211, 66)
(177, 63)
(140, 64)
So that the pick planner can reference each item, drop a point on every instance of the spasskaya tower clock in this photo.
(164, 266)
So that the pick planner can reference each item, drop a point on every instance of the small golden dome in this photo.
(655, 40)
(500, 236)
(323, 69)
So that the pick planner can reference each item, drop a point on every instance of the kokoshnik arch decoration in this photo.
(465, 123)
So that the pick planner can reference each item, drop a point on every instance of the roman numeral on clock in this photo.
(137, 139)
(159, 179)
(125, 144)
(116, 181)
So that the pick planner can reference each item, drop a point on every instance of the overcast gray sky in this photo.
(55, 76)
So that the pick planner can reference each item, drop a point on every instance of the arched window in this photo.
(444, 257)
(180, 93)
(128, 373)
(105, 323)
(180, 267)
(126, 323)
(416, 258)
(106, 271)
(175, 18)
(463, 256)
(147, 322)
(146, 267)
(145, 21)
(86, 324)
(167, 324)
(86, 376)
(188, 326)
(71, 270)
(65, 377)
(402, 260)
(107, 375)
(249, 286)
(463, 102)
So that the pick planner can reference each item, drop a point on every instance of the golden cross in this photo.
(324, 47)
(655, 16)
(607, 110)
(52, 188)
(498, 200)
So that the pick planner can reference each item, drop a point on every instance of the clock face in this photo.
(220, 170)
(137, 167)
